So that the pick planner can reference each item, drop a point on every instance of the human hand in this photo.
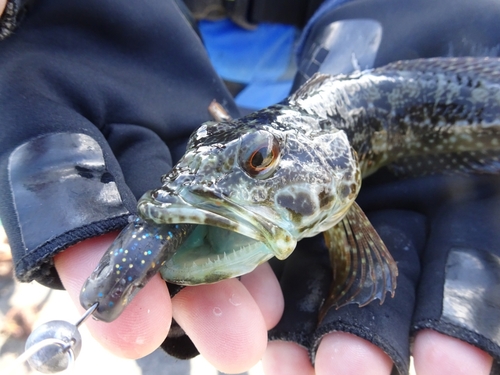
(238, 341)
(121, 103)
(91, 124)
(427, 285)
(343, 353)
(227, 321)
(448, 284)
(2, 6)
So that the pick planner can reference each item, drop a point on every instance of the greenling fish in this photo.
(256, 185)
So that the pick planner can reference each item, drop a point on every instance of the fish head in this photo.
(254, 188)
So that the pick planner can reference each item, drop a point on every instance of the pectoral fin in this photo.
(363, 268)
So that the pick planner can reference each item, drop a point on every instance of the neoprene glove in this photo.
(443, 231)
(98, 97)
(96, 100)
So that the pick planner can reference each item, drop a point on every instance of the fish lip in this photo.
(207, 207)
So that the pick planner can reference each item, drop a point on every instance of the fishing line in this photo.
(54, 346)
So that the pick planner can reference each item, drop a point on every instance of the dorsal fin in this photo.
(310, 87)
(476, 67)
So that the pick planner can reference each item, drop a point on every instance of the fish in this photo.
(253, 187)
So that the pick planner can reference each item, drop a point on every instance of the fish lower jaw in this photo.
(203, 265)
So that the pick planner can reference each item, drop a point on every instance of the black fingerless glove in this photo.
(96, 100)
(307, 277)
(443, 231)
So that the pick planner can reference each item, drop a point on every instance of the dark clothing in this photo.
(94, 103)
(97, 99)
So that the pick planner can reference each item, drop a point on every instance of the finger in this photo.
(143, 325)
(3, 3)
(342, 353)
(224, 322)
(286, 358)
(435, 353)
(266, 291)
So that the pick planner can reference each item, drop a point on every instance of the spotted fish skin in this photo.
(417, 116)
(261, 183)
(241, 176)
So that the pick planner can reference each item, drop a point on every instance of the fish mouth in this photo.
(229, 240)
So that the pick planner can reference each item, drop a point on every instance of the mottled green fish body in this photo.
(418, 116)
(257, 185)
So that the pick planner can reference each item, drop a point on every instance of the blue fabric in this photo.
(261, 58)
(261, 94)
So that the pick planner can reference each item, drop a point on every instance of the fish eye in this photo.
(259, 154)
